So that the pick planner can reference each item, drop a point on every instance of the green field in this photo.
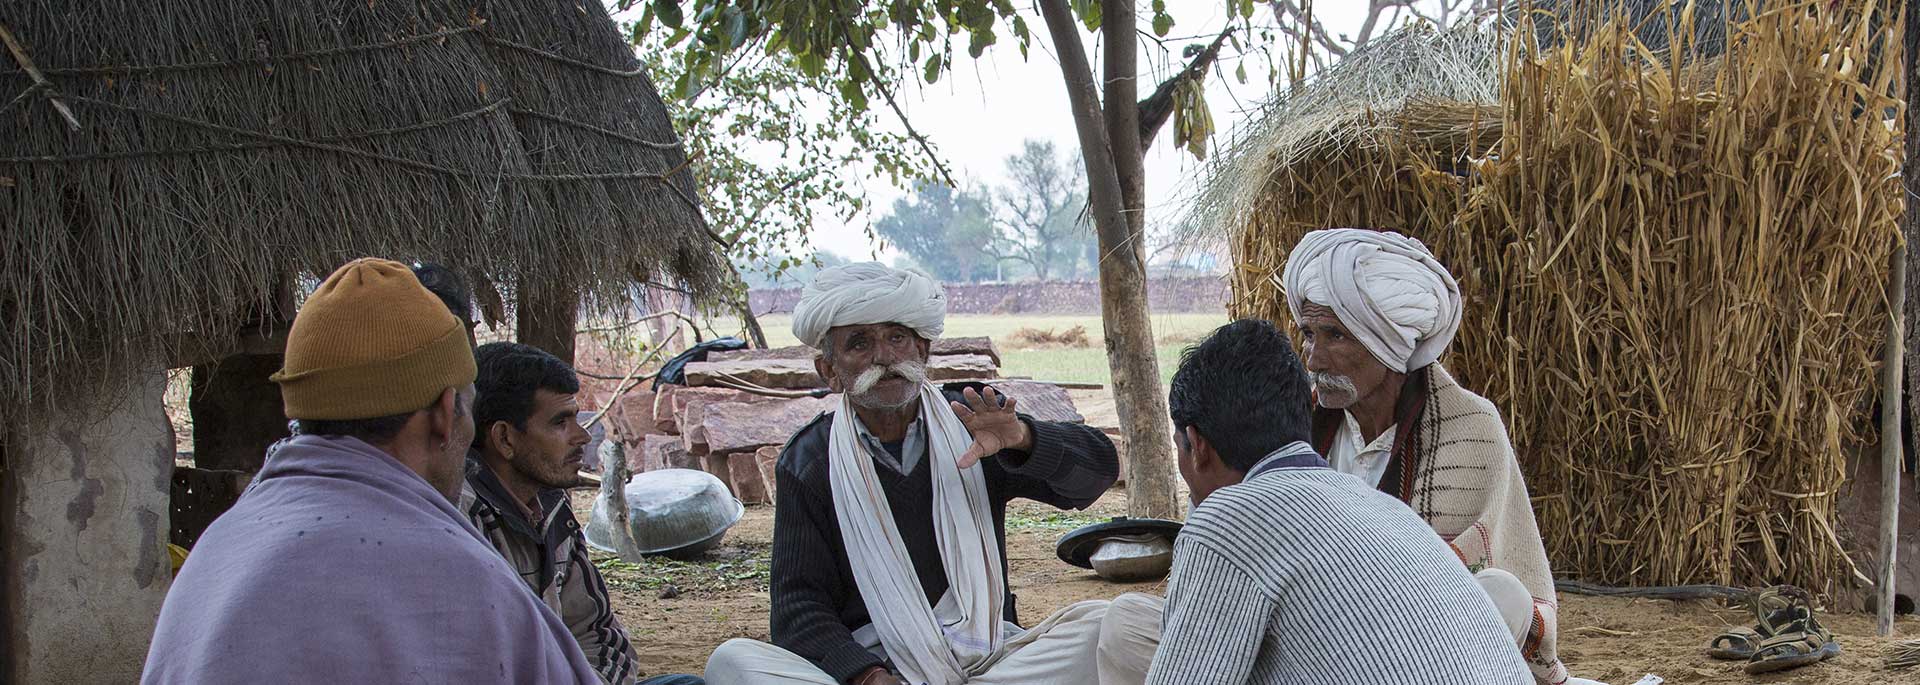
(1084, 365)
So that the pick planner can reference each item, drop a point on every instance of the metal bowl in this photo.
(1122, 549)
(676, 513)
(1133, 558)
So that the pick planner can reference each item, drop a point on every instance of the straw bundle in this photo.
(227, 148)
(1675, 269)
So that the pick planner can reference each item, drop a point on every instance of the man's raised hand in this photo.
(992, 423)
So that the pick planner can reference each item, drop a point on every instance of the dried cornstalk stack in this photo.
(1674, 265)
(1411, 176)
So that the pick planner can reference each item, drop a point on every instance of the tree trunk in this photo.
(546, 317)
(1116, 189)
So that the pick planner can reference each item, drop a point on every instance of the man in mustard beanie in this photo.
(347, 560)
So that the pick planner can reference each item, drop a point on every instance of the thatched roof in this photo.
(1352, 103)
(223, 148)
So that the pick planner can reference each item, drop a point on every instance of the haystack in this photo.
(171, 170)
(1674, 262)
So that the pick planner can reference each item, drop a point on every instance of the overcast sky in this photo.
(979, 114)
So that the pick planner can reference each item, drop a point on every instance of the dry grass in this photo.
(1039, 339)
(1674, 268)
(1904, 655)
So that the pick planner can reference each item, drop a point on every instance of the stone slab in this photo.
(790, 352)
(942, 346)
(968, 345)
(631, 416)
(671, 401)
(716, 464)
(693, 435)
(653, 453)
(1042, 401)
(961, 366)
(740, 427)
(744, 476)
(766, 373)
(767, 458)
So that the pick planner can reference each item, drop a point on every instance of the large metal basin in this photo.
(676, 513)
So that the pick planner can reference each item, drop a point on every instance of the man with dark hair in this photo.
(527, 447)
(1288, 571)
(347, 561)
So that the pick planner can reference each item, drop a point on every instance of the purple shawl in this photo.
(343, 566)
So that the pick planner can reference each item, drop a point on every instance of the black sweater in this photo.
(817, 606)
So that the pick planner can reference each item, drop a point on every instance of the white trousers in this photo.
(1131, 631)
(1058, 651)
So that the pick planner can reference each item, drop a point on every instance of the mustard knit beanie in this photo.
(371, 342)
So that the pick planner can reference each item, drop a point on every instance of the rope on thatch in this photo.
(563, 59)
(341, 149)
(427, 125)
(610, 133)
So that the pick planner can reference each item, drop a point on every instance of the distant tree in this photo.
(766, 139)
(942, 229)
(1037, 213)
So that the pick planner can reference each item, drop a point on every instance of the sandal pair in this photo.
(1786, 636)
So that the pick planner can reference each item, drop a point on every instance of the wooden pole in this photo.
(1891, 440)
(1892, 437)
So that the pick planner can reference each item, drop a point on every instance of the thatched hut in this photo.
(1674, 254)
(171, 172)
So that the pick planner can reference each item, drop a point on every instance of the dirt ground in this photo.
(678, 612)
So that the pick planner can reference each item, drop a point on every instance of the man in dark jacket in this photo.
(526, 452)
(889, 533)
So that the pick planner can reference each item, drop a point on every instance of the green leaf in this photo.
(812, 64)
(933, 68)
(1240, 72)
(669, 12)
(854, 94)
(1246, 9)
(736, 28)
(979, 41)
(1162, 24)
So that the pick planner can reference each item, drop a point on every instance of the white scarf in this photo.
(962, 636)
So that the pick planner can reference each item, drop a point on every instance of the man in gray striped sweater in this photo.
(1288, 571)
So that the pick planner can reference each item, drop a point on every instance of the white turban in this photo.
(1386, 288)
(868, 293)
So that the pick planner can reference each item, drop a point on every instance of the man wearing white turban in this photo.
(1375, 311)
(889, 534)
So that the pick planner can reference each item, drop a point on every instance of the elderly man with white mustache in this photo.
(889, 541)
(1375, 311)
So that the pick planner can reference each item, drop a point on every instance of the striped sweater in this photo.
(1307, 575)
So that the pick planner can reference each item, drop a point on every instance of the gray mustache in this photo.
(1333, 382)
(911, 370)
